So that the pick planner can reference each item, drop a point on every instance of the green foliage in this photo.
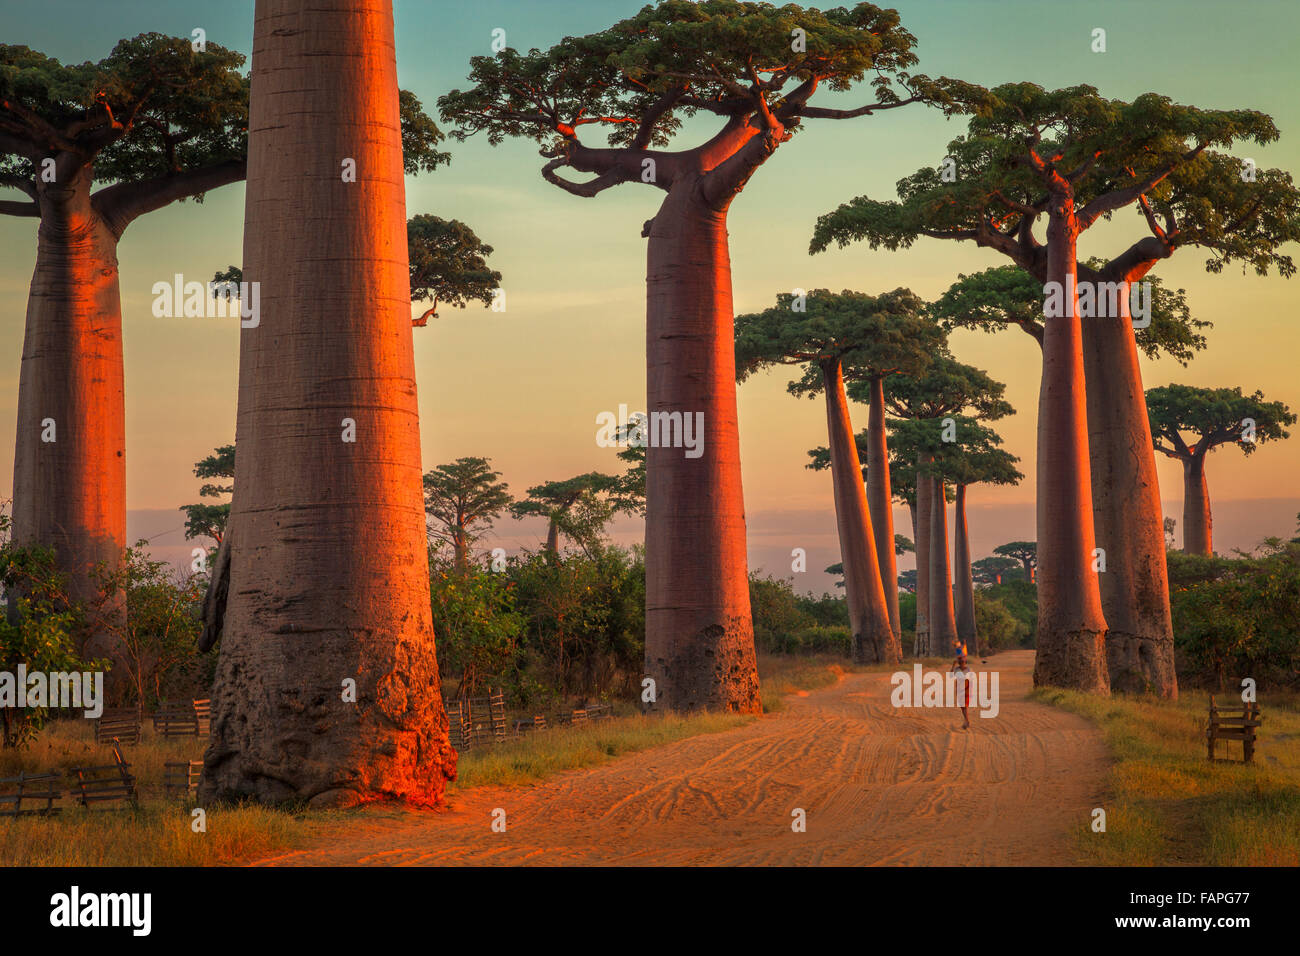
(869, 335)
(39, 630)
(1024, 138)
(205, 520)
(464, 497)
(159, 636)
(989, 570)
(1026, 552)
(477, 628)
(1237, 617)
(786, 623)
(998, 628)
(578, 508)
(1216, 416)
(1020, 599)
(153, 107)
(676, 58)
(448, 263)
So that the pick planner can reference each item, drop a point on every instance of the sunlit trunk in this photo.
(923, 494)
(699, 633)
(1127, 514)
(1071, 627)
(880, 501)
(963, 583)
(1198, 524)
(873, 639)
(327, 688)
(943, 619)
(70, 449)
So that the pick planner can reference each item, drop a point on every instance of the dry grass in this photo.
(1170, 805)
(158, 832)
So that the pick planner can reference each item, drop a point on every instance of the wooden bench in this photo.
(32, 787)
(599, 712)
(1233, 723)
(181, 778)
(183, 718)
(118, 725)
(106, 784)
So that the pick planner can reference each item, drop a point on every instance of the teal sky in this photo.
(524, 387)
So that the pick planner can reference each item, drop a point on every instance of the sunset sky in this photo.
(524, 387)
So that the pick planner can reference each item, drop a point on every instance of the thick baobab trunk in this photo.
(327, 688)
(460, 551)
(553, 539)
(874, 640)
(923, 494)
(880, 501)
(1071, 627)
(963, 583)
(70, 452)
(1198, 524)
(699, 632)
(1127, 514)
(943, 618)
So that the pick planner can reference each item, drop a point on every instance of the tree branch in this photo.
(12, 208)
(611, 177)
(122, 203)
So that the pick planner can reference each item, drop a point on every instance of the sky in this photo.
(523, 387)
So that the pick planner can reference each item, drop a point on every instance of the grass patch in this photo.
(780, 674)
(1170, 805)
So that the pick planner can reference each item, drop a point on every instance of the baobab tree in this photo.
(448, 265)
(152, 123)
(464, 497)
(992, 570)
(1216, 416)
(824, 333)
(946, 387)
(974, 458)
(577, 507)
(1026, 552)
(1074, 157)
(327, 686)
(755, 67)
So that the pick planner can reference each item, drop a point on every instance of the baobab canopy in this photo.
(750, 64)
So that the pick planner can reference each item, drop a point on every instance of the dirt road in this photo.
(878, 785)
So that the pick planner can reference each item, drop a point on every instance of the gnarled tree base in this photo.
(714, 669)
(1073, 659)
(1141, 665)
(282, 732)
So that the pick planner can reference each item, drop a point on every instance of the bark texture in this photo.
(880, 500)
(873, 639)
(699, 632)
(943, 618)
(1071, 626)
(329, 574)
(70, 493)
(964, 583)
(1198, 523)
(1127, 514)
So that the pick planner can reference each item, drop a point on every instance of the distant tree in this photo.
(1216, 416)
(903, 545)
(448, 265)
(1170, 525)
(578, 508)
(833, 337)
(1026, 552)
(464, 497)
(995, 569)
(205, 520)
(907, 581)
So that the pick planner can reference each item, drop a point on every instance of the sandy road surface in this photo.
(879, 785)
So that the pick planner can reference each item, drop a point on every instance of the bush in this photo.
(997, 627)
(778, 618)
(1237, 617)
(1020, 599)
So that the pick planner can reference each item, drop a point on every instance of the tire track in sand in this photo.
(879, 785)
